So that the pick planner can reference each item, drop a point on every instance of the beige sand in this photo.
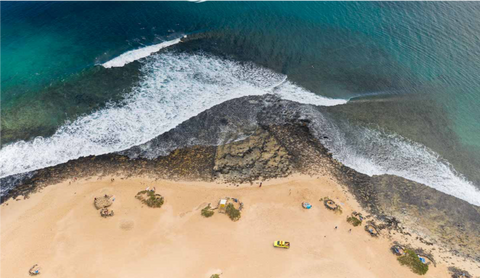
(60, 229)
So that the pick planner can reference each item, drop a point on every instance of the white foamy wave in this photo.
(137, 54)
(375, 153)
(174, 88)
(289, 91)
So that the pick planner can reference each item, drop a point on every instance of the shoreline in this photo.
(63, 228)
(280, 143)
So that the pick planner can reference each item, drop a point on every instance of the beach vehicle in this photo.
(222, 205)
(281, 244)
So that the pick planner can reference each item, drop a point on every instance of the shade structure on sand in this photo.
(102, 202)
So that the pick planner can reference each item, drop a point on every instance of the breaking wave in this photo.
(138, 54)
(178, 86)
(374, 152)
(174, 88)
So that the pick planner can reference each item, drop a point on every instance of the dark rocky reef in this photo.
(262, 137)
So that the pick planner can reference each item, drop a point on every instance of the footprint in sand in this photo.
(184, 213)
(201, 206)
(127, 224)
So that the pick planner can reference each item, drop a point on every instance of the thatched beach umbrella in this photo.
(102, 202)
(329, 204)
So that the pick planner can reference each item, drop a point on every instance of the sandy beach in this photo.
(60, 229)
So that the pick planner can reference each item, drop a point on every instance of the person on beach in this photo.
(260, 184)
(336, 228)
(350, 230)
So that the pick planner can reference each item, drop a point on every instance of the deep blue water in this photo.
(410, 70)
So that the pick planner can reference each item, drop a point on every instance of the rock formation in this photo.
(262, 137)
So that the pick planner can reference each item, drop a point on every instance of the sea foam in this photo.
(138, 54)
(178, 86)
(375, 152)
(174, 88)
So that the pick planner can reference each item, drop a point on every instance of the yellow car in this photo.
(281, 244)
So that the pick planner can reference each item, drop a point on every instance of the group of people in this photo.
(103, 203)
(105, 212)
(336, 227)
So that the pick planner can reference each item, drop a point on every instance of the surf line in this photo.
(275, 86)
(139, 53)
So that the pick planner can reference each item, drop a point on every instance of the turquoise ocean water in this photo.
(400, 79)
